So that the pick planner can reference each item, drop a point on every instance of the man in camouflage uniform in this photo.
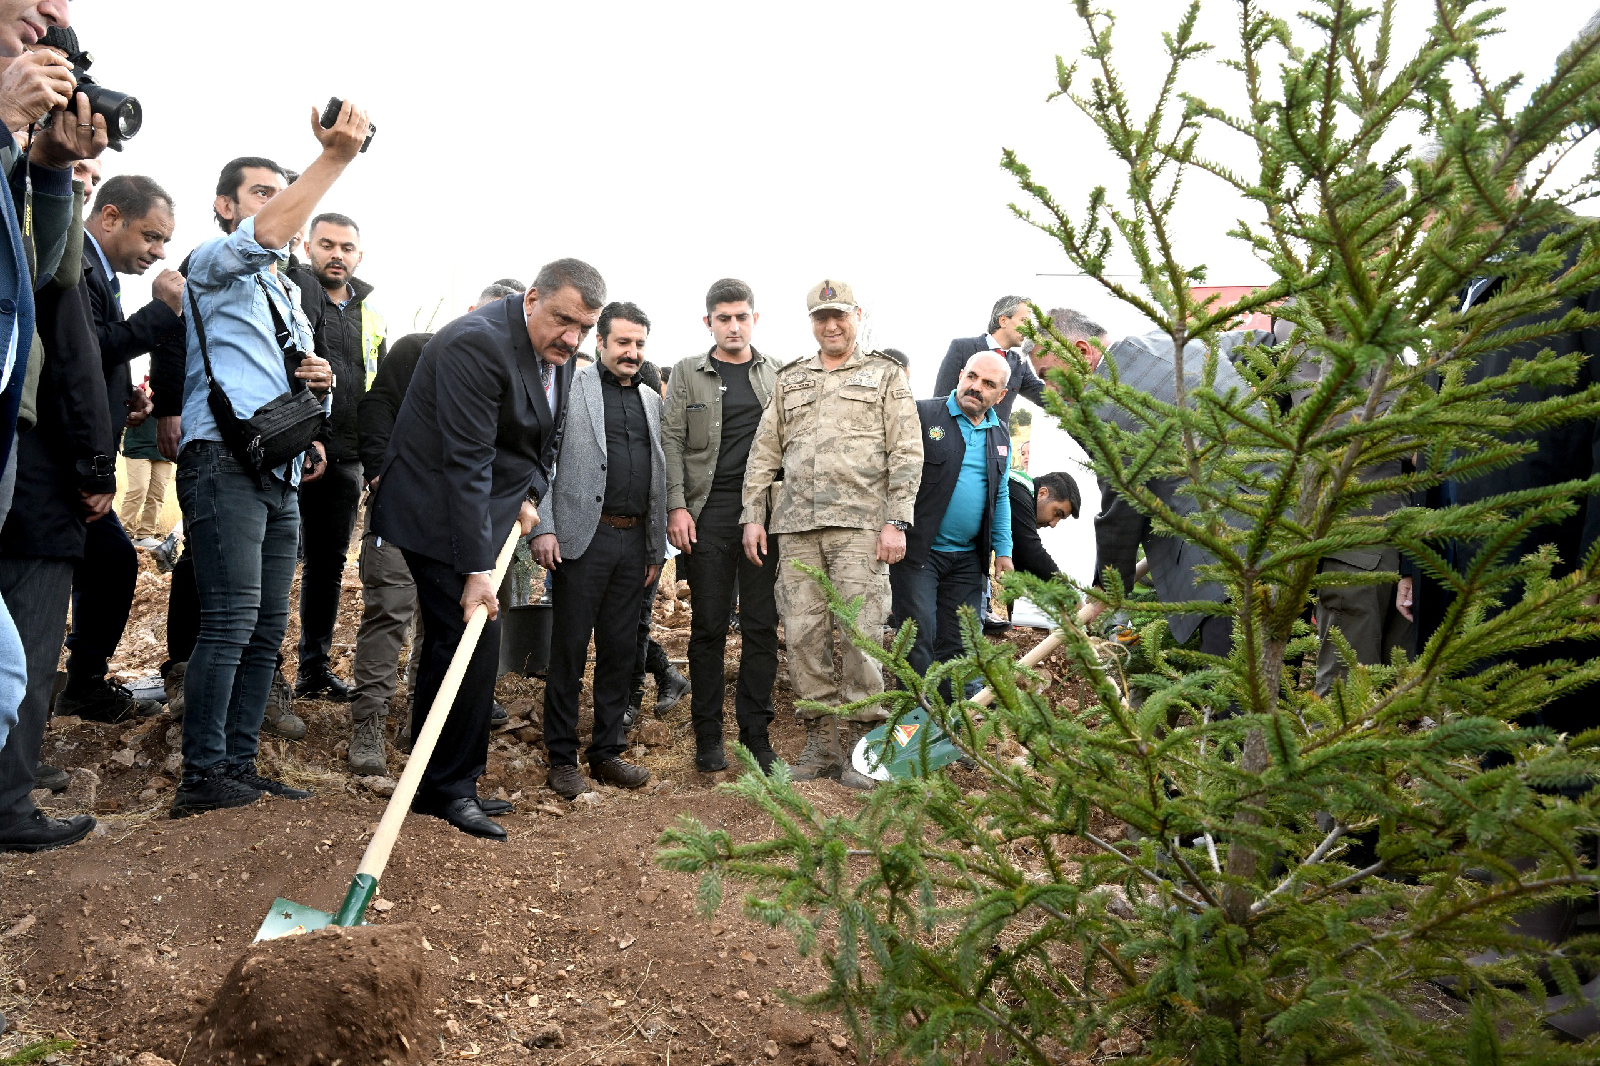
(842, 429)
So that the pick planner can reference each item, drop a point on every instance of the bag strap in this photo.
(286, 342)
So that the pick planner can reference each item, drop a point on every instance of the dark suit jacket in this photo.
(54, 458)
(1023, 379)
(474, 438)
(380, 405)
(123, 338)
(941, 468)
(1028, 552)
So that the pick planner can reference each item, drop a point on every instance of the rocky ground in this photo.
(566, 944)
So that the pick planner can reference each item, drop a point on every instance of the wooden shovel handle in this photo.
(377, 853)
(1090, 610)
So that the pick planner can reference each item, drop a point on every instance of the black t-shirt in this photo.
(741, 414)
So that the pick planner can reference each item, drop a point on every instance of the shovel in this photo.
(1046, 647)
(287, 918)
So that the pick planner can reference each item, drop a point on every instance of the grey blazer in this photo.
(1146, 363)
(572, 509)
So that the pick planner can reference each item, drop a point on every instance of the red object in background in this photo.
(1227, 294)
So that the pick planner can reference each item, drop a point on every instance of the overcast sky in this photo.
(673, 144)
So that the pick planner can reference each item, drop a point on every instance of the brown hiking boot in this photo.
(280, 720)
(173, 683)
(367, 755)
(822, 756)
(614, 771)
(568, 782)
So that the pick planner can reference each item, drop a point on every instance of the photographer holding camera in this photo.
(246, 423)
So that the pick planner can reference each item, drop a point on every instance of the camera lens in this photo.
(128, 117)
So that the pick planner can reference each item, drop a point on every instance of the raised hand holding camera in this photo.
(347, 136)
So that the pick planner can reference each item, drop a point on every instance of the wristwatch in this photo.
(99, 466)
(901, 526)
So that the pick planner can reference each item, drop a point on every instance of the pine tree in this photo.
(1229, 923)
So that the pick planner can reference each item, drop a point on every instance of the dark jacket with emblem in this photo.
(474, 437)
(1024, 381)
(943, 449)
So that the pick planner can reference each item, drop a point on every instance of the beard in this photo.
(332, 281)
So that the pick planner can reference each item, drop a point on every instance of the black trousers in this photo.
(718, 571)
(183, 613)
(652, 657)
(599, 592)
(463, 751)
(328, 508)
(37, 592)
(103, 582)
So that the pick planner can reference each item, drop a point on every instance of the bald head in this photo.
(982, 385)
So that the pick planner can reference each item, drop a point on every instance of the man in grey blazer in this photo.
(603, 534)
(1146, 363)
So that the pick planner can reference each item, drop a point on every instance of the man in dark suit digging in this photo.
(472, 451)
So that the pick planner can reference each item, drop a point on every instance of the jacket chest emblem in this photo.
(868, 378)
(936, 433)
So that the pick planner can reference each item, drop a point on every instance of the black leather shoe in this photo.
(495, 808)
(615, 771)
(321, 685)
(630, 717)
(671, 687)
(710, 756)
(568, 782)
(212, 791)
(39, 832)
(497, 714)
(52, 777)
(467, 816)
(270, 786)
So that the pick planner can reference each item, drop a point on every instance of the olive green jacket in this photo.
(691, 424)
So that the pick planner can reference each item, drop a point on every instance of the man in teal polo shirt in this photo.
(962, 513)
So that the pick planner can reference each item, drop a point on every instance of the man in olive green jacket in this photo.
(713, 406)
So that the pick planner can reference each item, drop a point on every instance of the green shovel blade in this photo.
(288, 918)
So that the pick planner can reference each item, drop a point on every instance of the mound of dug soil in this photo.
(357, 996)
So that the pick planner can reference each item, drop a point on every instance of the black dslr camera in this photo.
(122, 112)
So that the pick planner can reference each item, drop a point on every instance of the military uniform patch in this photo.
(936, 433)
(867, 378)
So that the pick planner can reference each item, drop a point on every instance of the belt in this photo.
(618, 521)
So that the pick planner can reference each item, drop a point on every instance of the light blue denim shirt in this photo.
(245, 358)
(963, 517)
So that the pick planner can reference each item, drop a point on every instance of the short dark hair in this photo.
(898, 356)
(133, 195)
(729, 291)
(1061, 486)
(499, 290)
(232, 177)
(628, 312)
(1005, 306)
(333, 218)
(575, 272)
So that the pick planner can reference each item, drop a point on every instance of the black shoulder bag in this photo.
(283, 428)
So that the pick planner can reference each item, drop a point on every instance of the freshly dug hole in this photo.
(361, 995)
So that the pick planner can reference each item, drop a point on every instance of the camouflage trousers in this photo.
(849, 558)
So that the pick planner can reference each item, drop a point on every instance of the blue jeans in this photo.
(242, 538)
(13, 663)
(930, 595)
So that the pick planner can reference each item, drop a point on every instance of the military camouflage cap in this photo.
(828, 295)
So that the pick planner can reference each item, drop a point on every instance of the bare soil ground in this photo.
(564, 945)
